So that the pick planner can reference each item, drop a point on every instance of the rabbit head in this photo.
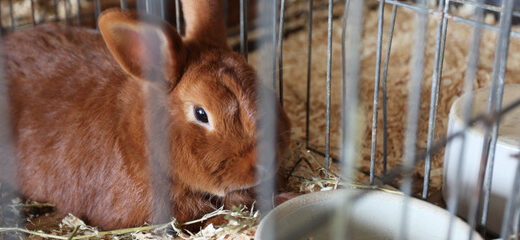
(212, 94)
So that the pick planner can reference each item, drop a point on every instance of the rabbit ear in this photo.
(205, 22)
(144, 46)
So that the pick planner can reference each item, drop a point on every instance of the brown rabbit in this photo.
(76, 99)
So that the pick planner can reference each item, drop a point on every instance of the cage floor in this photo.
(455, 61)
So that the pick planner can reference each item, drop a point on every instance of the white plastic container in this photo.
(505, 164)
(375, 216)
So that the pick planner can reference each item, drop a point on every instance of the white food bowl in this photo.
(376, 215)
(504, 166)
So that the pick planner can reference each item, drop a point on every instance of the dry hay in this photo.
(241, 224)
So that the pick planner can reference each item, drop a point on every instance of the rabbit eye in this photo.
(200, 115)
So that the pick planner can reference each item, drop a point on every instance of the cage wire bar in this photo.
(78, 15)
(494, 104)
(274, 15)
(280, 51)
(457, 18)
(413, 108)
(328, 90)
(385, 74)
(32, 13)
(1, 24)
(7, 148)
(440, 41)
(54, 3)
(473, 59)
(375, 109)
(68, 13)
(11, 14)
(351, 38)
(482, 5)
(266, 105)
(158, 117)
(155, 7)
(226, 13)
(309, 63)
(243, 28)
(178, 16)
(344, 72)
(97, 11)
(124, 4)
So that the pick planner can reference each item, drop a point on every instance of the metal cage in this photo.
(269, 26)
